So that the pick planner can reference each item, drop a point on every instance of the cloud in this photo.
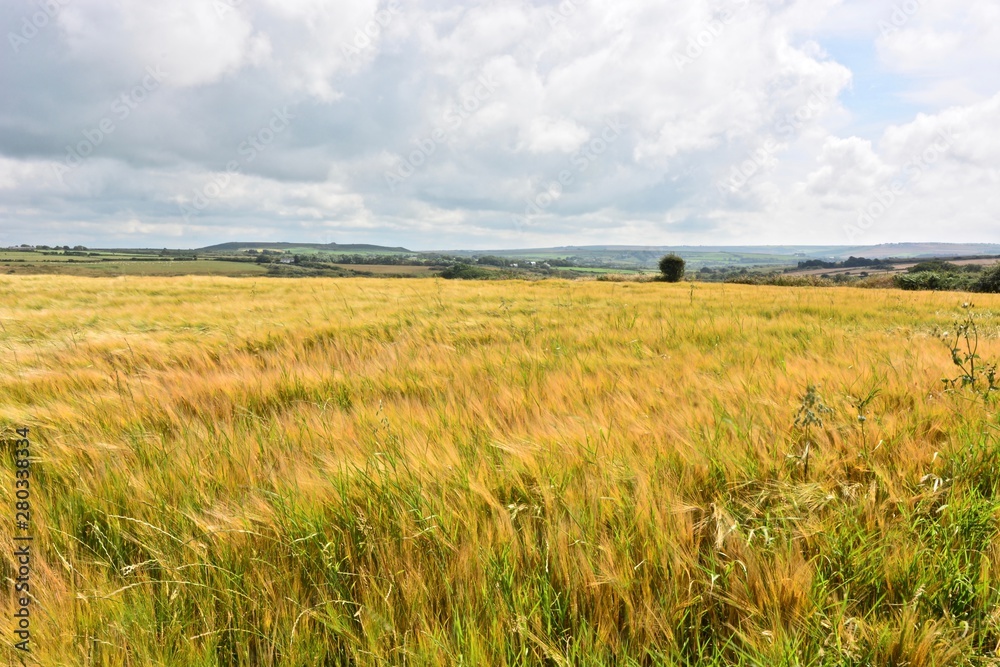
(196, 42)
(492, 119)
(850, 170)
(953, 47)
(546, 134)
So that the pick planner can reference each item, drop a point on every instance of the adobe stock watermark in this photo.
(788, 126)
(742, 173)
(121, 108)
(35, 23)
(901, 14)
(224, 7)
(701, 41)
(882, 201)
(581, 160)
(480, 92)
(365, 36)
(248, 150)
(561, 13)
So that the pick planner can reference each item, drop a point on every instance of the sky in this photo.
(436, 124)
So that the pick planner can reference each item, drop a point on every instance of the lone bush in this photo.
(671, 268)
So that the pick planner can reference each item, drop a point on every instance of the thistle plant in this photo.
(810, 414)
(976, 373)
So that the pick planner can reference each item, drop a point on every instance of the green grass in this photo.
(644, 259)
(97, 267)
(28, 257)
(389, 269)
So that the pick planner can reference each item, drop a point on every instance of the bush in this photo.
(932, 280)
(463, 271)
(671, 268)
(924, 280)
(989, 281)
(876, 282)
(934, 266)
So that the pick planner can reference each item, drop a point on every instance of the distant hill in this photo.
(901, 250)
(742, 249)
(236, 246)
(737, 256)
(645, 257)
(920, 250)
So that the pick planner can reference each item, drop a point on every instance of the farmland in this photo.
(384, 472)
(121, 263)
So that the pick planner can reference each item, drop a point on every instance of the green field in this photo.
(640, 259)
(115, 265)
(35, 257)
(389, 269)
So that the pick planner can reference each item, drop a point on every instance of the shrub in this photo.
(876, 282)
(933, 266)
(924, 280)
(989, 281)
(671, 268)
(463, 271)
(933, 280)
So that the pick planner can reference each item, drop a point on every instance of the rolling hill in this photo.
(236, 246)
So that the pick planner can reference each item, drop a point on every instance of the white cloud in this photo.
(954, 47)
(194, 41)
(850, 171)
(547, 134)
(511, 94)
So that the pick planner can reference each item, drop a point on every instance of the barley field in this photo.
(383, 472)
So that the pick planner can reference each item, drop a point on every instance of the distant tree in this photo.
(463, 271)
(79, 247)
(671, 268)
(935, 266)
(817, 264)
(989, 281)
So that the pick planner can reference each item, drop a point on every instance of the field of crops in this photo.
(381, 472)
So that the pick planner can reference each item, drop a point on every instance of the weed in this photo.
(976, 374)
(812, 409)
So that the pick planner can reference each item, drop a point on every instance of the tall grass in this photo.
(375, 472)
